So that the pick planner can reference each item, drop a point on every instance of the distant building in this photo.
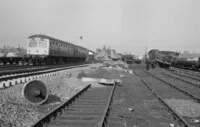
(11, 54)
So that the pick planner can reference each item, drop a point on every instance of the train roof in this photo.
(48, 37)
(153, 50)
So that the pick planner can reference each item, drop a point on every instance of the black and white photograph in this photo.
(99, 63)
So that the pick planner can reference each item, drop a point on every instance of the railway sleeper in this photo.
(97, 93)
(102, 93)
(90, 103)
(82, 113)
(92, 98)
(87, 107)
(115, 123)
(78, 117)
(73, 123)
(84, 110)
(7, 83)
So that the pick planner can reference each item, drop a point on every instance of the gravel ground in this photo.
(184, 107)
(133, 104)
(187, 108)
(15, 111)
(136, 106)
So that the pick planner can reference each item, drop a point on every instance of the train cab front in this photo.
(37, 48)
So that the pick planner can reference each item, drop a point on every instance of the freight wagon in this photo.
(161, 58)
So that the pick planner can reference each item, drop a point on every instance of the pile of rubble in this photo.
(106, 55)
(104, 73)
(110, 58)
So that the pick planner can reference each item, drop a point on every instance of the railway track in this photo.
(171, 84)
(186, 69)
(164, 91)
(88, 108)
(183, 78)
(195, 74)
(26, 69)
(21, 70)
(14, 79)
(190, 76)
(8, 69)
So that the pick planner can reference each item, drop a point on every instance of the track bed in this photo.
(86, 110)
(166, 93)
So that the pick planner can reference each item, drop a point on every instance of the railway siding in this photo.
(191, 79)
(180, 105)
(190, 88)
(185, 79)
(147, 111)
(187, 110)
(167, 81)
(181, 121)
(187, 75)
(91, 114)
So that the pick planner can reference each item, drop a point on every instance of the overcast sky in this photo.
(125, 25)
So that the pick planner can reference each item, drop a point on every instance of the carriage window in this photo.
(32, 43)
(42, 44)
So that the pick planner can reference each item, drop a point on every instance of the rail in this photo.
(183, 80)
(179, 89)
(103, 121)
(181, 120)
(47, 118)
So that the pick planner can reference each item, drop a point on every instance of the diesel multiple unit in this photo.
(43, 49)
(54, 50)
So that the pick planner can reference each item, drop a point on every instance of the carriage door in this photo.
(75, 51)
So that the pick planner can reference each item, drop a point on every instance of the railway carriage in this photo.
(43, 49)
(47, 50)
